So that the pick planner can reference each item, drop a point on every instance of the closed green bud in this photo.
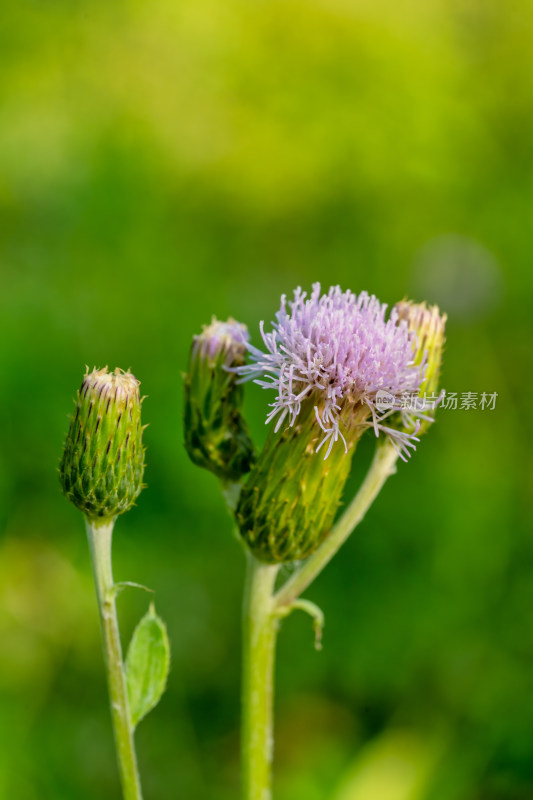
(429, 326)
(103, 460)
(289, 501)
(216, 435)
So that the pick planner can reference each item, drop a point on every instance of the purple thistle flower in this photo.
(339, 350)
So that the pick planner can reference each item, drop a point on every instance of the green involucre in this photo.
(102, 466)
(289, 500)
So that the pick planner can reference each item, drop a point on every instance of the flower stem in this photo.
(100, 547)
(259, 641)
(261, 613)
(383, 465)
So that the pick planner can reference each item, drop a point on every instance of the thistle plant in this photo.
(329, 358)
(101, 473)
(326, 359)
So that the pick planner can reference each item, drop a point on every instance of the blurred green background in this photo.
(162, 162)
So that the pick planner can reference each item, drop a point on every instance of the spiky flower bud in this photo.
(328, 357)
(216, 435)
(103, 460)
(428, 324)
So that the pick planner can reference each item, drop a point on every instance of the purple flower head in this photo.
(340, 350)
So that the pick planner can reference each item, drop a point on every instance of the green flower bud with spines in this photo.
(102, 466)
(216, 434)
(289, 500)
(429, 325)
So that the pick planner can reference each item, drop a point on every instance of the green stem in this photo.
(261, 614)
(383, 465)
(100, 547)
(259, 642)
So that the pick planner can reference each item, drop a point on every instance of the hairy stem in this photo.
(100, 547)
(382, 467)
(259, 642)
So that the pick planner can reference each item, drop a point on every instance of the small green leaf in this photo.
(147, 665)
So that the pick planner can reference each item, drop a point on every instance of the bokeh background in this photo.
(162, 162)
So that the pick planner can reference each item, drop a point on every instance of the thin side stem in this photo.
(100, 547)
(382, 467)
(259, 643)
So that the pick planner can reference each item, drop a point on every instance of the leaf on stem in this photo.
(310, 608)
(147, 665)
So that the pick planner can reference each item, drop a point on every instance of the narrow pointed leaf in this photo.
(147, 665)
